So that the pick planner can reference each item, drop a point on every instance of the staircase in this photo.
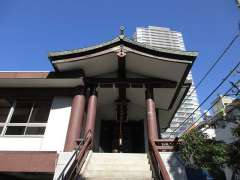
(116, 166)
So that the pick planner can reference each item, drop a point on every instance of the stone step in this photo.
(116, 174)
(118, 167)
(116, 178)
(117, 161)
(120, 154)
(119, 157)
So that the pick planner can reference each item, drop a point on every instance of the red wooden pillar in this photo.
(91, 112)
(151, 115)
(75, 122)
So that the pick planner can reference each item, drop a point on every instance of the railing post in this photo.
(75, 122)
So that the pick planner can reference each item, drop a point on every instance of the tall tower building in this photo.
(161, 37)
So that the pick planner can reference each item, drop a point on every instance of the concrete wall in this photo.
(56, 130)
(55, 133)
(225, 134)
(174, 166)
(222, 133)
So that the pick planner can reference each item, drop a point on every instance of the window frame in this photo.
(27, 124)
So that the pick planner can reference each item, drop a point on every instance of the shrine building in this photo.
(107, 102)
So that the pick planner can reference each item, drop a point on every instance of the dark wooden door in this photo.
(133, 136)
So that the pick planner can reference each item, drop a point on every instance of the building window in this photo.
(5, 107)
(24, 116)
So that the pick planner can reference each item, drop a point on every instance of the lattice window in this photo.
(24, 116)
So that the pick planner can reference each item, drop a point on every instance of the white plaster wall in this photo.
(20, 143)
(55, 133)
(56, 130)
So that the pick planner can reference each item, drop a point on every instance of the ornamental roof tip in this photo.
(122, 35)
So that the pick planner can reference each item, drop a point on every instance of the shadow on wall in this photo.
(197, 174)
(175, 167)
(178, 170)
(61, 102)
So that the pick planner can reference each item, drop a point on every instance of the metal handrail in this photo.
(80, 159)
(157, 161)
(62, 174)
(79, 153)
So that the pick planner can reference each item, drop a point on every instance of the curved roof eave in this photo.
(122, 40)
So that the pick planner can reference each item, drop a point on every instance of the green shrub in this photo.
(199, 152)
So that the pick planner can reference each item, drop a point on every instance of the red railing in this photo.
(168, 145)
(159, 168)
(160, 145)
(71, 170)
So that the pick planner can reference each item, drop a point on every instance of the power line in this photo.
(219, 85)
(225, 94)
(214, 64)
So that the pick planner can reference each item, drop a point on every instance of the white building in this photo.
(219, 127)
(220, 103)
(161, 37)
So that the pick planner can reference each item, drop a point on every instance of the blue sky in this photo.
(30, 29)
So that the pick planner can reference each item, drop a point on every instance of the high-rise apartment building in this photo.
(161, 37)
